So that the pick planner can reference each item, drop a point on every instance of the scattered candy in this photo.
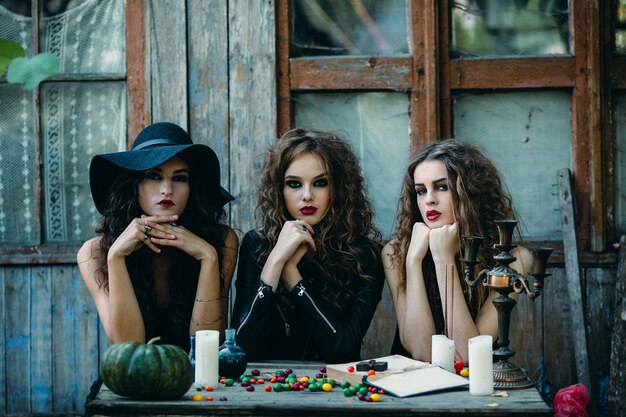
(371, 372)
(229, 382)
(209, 398)
(464, 372)
(458, 366)
(327, 387)
(255, 372)
(208, 388)
(323, 369)
(250, 388)
(260, 381)
(268, 388)
(375, 397)
(223, 399)
(350, 368)
(197, 397)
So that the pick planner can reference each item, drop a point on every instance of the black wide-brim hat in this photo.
(153, 146)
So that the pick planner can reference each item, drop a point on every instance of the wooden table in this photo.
(324, 404)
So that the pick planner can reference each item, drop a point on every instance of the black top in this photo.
(304, 323)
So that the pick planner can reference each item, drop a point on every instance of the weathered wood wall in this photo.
(211, 67)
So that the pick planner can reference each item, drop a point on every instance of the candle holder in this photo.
(504, 280)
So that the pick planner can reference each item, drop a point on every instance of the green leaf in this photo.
(8, 51)
(31, 71)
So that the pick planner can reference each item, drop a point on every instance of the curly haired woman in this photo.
(450, 189)
(161, 263)
(310, 277)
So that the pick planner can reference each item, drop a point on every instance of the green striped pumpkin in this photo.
(158, 372)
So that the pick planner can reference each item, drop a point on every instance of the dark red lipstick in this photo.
(432, 215)
(166, 203)
(308, 210)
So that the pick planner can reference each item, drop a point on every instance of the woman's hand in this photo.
(444, 242)
(294, 240)
(139, 233)
(170, 234)
(419, 242)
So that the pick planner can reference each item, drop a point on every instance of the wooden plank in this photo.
(527, 322)
(138, 116)
(208, 78)
(168, 61)
(445, 93)
(3, 320)
(17, 293)
(44, 254)
(284, 106)
(86, 346)
(351, 73)
(328, 404)
(600, 302)
(511, 73)
(252, 78)
(417, 112)
(558, 356)
(617, 375)
(41, 341)
(379, 337)
(63, 343)
(574, 282)
(430, 20)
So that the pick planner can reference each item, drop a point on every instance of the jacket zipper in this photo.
(259, 294)
(287, 329)
(303, 292)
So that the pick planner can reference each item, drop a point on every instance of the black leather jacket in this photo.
(300, 324)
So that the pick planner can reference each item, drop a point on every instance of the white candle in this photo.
(442, 352)
(207, 343)
(480, 365)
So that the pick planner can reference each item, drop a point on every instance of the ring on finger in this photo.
(145, 237)
(303, 228)
(147, 229)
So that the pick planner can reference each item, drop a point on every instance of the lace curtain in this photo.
(78, 120)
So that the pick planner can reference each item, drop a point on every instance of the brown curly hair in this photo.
(346, 232)
(479, 197)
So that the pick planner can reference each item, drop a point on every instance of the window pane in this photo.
(377, 126)
(620, 164)
(349, 27)
(15, 27)
(18, 211)
(88, 39)
(620, 27)
(528, 137)
(79, 121)
(509, 27)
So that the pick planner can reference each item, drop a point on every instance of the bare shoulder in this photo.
(387, 253)
(231, 241)
(90, 251)
(524, 259)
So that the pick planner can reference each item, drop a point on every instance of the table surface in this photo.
(240, 402)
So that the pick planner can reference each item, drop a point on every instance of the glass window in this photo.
(509, 27)
(528, 137)
(620, 27)
(349, 27)
(620, 164)
(377, 126)
(51, 202)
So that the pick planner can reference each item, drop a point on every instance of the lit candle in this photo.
(480, 365)
(442, 352)
(207, 343)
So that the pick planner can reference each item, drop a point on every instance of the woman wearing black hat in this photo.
(161, 262)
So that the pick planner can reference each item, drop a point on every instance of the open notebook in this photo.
(404, 377)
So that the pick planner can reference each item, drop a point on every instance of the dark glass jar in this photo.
(232, 358)
(192, 351)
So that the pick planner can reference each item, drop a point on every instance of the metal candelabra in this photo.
(504, 280)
